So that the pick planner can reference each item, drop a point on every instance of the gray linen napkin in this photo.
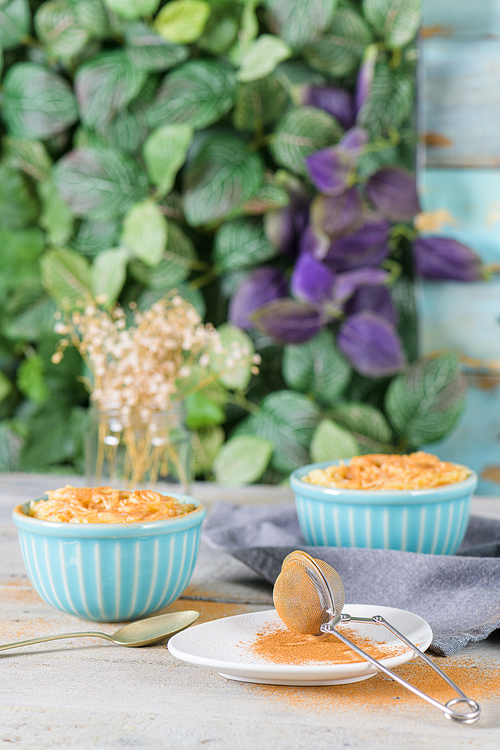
(459, 596)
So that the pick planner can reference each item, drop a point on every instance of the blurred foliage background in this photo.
(150, 145)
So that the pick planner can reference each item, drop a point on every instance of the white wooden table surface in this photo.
(91, 694)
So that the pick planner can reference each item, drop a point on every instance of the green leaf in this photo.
(126, 132)
(403, 298)
(56, 436)
(65, 275)
(182, 21)
(148, 51)
(106, 84)
(269, 196)
(397, 21)
(339, 51)
(58, 29)
(234, 366)
(288, 421)
(15, 20)
(221, 29)
(174, 267)
(94, 236)
(108, 274)
(10, 444)
(331, 442)
(202, 411)
(145, 231)
(425, 403)
(389, 101)
(164, 153)
(206, 444)
(241, 243)
(262, 57)
(301, 132)
(299, 22)
(18, 207)
(363, 419)
(31, 381)
(31, 314)
(56, 218)
(221, 176)
(99, 183)
(5, 386)
(296, 73)
(317, 367)
(197, 93)
(242, 460)
(259, 103)
(133, 9)
(92, 16)
(37, 102)
(20, 251)
(30, 156)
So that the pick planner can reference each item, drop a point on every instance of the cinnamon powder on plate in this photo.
(279, 645)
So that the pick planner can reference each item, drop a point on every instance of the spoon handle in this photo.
(44, 638)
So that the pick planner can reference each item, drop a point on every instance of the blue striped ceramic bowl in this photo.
(110, 572)
(432, 521)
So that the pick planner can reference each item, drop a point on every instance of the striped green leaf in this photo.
(301, 132)
(132, 9)
(66, 276)
(397, 21)
(363, 419)
(389, 102)
(182, 21)
(37, 102)
(262, 57)
(317, 367)
(173, 268)
(197, 93)
(259, 103)
(106, 84)
(15, 20)
(149, 51)
(58, 29)
(288, 421)
(99, 183)
(108, 274)
(299, 22)
(165, 152)
(29, 155)
(241, 243)
(339, 51)
(222, 175)
(425, 403)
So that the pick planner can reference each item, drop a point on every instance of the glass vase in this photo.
(138, 449)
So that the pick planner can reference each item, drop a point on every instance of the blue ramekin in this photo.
(433, 521)
(110, 572)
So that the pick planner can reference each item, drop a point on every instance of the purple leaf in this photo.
(311, 281)
(371, 344)
(446, 259)
(336, 102)
(348, 282)
(369, 245)
(376, 299)
(260, 287)
(393, 192)
(354, 140)
(330, 169)
(336, 215)
(311, 243)
(365, 76)
(288, 321)
(284, 226)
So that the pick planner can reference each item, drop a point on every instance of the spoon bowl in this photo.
(133, 635)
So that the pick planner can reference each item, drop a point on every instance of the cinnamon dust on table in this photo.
(278, 645)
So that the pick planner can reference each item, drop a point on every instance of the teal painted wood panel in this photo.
(460, 109)
(461, 18)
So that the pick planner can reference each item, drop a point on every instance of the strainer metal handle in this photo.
(465, 717)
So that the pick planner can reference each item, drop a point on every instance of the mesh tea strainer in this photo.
(309, 598)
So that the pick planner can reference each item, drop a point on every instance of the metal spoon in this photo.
(140, 633)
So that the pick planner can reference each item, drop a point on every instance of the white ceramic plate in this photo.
(224, 646)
